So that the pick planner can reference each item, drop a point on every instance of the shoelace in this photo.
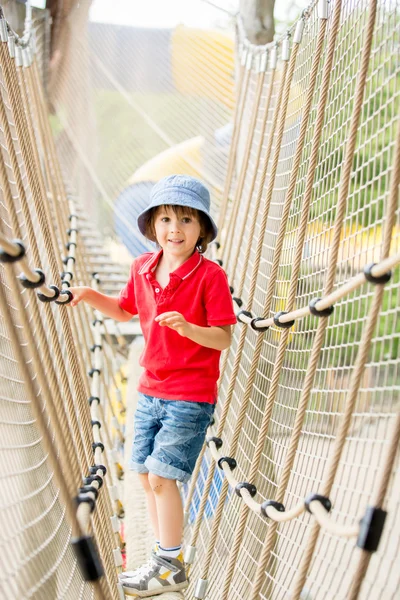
(142, 571)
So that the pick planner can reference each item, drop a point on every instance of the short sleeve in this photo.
(127, 299)
(218, 301)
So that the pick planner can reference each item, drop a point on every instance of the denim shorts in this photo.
(169, 435)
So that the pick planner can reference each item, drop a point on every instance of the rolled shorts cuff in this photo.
(138, 467)
(163, 470)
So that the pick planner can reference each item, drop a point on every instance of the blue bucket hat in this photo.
(181, 190)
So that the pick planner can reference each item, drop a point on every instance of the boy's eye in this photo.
(186, 220)
(165, 219)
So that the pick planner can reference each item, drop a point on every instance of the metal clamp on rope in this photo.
(247, 486)
(278, 323)
(254, 326)
(67, 258)
(28, 283)
(94, 468)
(89, 480)
(371, 528)
(6, 257)
(86, 500)
(325, 312)
(231, 462)
(96, 445)
(93, 371)
(217, 441)
(247, 316)
(326, 503)
(376, 279)
(89, 489)
(69, 297)
(93, 399)
(44, 298)
(88, 558)
(65, 274)
(277, 505)
(93, 348)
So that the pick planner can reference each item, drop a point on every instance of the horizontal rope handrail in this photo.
(375, 273)
(318, 506)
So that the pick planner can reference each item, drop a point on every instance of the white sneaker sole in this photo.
(148, 593)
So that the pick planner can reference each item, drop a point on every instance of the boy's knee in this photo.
(158, 483)
(144, 480)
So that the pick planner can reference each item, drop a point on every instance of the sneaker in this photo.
(129, 574)
(159, 575)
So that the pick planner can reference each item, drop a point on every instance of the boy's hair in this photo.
(206, 231)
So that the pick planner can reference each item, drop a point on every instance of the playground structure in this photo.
(294, 494)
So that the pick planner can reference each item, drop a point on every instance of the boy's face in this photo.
(177, 234)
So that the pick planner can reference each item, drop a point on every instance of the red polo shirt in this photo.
(175, 368)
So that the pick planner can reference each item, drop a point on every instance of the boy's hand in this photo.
(175, 321)
(78, 294)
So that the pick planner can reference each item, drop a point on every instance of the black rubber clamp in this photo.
(372, 278)
(96, 276)
(258, 329)
(71, 229)
(326, 503)
(248, 486)
(95, 422)
(212, 421)
(72, 215)
(44, 298)
(97, 445)
(65, 293)
(217, 245)
(282, 325)
(231, 289)
(93, 371)
(326, 312)
(89, 480)
(217, 441)
(93, 348)
(65, 282)
(64, 274)
(5, 257)
(218, 261)
(67, 258)
(89, 489)
(371, 528)
(246, 313)
(94, 468)
(276, 505)
(88, 558)
(86, 500)
(69, 244)
(238, 301)
(92, 399)
(94, 323)
(31, 285)
(231, 462)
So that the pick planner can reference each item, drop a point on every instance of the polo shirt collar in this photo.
(184, 271)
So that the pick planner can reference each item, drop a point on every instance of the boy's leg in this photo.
(151, 504)
(169, 510)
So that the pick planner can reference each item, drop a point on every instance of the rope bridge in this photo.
(293, 494)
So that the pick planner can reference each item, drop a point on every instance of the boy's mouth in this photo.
(176, 241)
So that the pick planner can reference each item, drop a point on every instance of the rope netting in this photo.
(294, 493)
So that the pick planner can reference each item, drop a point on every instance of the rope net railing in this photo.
(60, 500)
(294, 493)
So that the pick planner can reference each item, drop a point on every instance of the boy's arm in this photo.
(107, 305)
(218, 338)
